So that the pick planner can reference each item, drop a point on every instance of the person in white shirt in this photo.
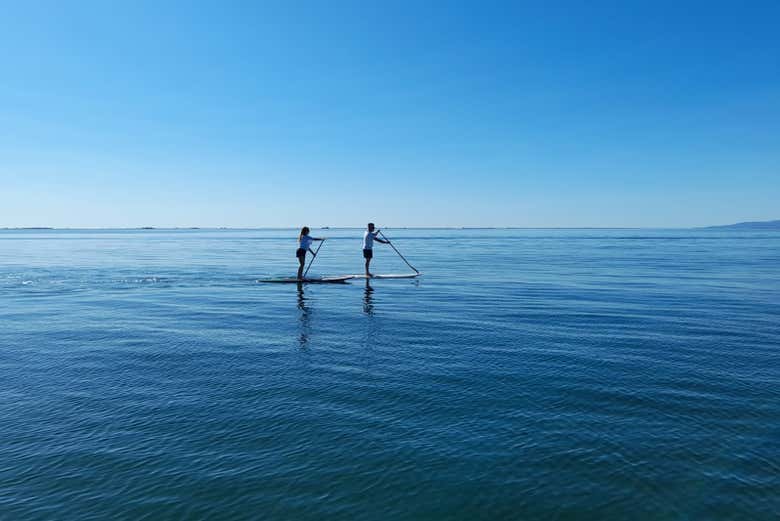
(304, 245)
(368, 245)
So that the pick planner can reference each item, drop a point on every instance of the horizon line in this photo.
(153, 228)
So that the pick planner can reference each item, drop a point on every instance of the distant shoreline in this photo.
(748, 225)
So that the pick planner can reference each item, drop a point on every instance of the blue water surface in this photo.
(528, 374)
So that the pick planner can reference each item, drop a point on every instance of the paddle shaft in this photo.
(398, 252)
(314, 257)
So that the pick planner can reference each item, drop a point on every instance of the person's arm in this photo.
(315, 239)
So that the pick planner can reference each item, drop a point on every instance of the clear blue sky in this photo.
(333, 113)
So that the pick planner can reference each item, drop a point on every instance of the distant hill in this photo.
(754, 225)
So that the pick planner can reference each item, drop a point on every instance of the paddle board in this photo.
(388, 276)
(313, 280)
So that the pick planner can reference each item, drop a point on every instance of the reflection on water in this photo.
(305, 317)
(368, 300)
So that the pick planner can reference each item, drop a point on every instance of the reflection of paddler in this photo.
(368, 301)
(303, 339)
(304, 245)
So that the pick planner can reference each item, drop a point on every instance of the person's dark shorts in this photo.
(368, 254)
(300, 253)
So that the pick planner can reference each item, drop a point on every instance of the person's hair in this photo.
(304, 231)
(370, 225)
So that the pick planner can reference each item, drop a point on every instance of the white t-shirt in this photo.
(368, 240)
(305, 242)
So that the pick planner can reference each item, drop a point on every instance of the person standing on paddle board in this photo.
(368, 245)
(304, 245)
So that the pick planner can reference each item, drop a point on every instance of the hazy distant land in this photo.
(750, 225)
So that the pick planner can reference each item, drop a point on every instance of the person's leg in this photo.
(368, 254)
(301, 262)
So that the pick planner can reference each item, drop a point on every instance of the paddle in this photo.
(314, 257)
(398, 252)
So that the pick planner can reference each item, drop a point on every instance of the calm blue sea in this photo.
(528, 374)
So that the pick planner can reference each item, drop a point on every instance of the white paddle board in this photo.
(313, 280)
(388, 276)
